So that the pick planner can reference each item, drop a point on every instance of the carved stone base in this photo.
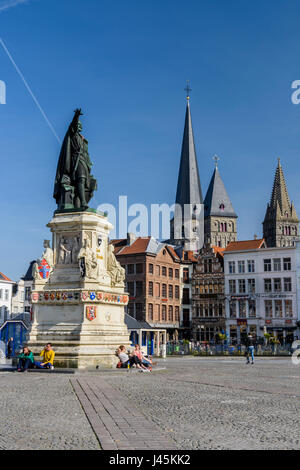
(82, 317)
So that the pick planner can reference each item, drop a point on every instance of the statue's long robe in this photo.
(73, 162)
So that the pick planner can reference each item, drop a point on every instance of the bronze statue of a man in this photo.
(74, 184)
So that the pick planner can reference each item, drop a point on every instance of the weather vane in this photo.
(188, 89)
(216, 159)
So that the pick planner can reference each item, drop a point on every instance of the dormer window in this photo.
(222, 207)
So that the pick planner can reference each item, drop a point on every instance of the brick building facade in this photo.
(152, 281)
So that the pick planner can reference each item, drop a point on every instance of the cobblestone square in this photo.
(194, 403)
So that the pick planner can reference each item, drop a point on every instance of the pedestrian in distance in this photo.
(26, 360)
(10, 345)
(250, 349)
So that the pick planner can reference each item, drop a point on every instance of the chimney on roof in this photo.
(131, 237)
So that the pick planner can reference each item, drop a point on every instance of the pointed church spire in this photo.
(185, 227)
(188, 186)
(217, 202)
(279, 193)
(220, 217)
(281, 224)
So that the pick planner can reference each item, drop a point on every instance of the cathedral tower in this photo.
(220, 217)
(281, 224)
(187, 228)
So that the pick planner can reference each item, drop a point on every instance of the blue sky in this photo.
(126, 63)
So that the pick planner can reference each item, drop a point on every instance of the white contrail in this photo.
(10, 4)
(29, 89)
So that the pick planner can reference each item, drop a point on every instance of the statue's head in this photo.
(79, 126)
(46, 243)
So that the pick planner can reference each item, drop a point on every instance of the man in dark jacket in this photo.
(249, 349)
(10, 344)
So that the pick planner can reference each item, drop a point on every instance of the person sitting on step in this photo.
(26, 360)
(48, 358)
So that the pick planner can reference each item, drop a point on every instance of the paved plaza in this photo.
(190, 403)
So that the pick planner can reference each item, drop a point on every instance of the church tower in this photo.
(281, 224)
(187, 227)
(220, 217)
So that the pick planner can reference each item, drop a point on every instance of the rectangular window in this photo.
(277, 264)
(157, 289)
(176, 292)
(251, 266)
(288, 308)
(170, 313)
(185, 296)
(268, 285)
(278, 308)
(268, 308)
(177, 273)
(242, 286)
(287, 284)
(150, 312)
(170, 272)
(287, 266)
(185, 274)
(150, 268)
(6, 294)
(251, 286)
(176, 313)
(130, 268)
(231, 265)
(158, 312)
(130, 288)
(139, 268)
(150, 290)
(242, 309)
(27, 293)
(277, 285)
(164, 313)
(164, 271)
(139, 288)
(267, 265)
(139, 315)
(170, 291)
(241, 267)
(164, 291)
(252, 308)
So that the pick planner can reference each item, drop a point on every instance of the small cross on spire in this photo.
(188, 89)
(216, 159)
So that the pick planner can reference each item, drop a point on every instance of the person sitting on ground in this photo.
(126, 360)
(145, 363)
(26, 360)
(48, 358)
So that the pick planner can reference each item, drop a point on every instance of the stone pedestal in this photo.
(78, 301)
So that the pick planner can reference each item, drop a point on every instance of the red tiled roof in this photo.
(172, 252)
(191, 256)
(4, 278)
(138, 246)
(245, 245)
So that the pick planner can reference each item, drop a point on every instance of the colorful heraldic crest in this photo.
(91, 312)
(44, 269)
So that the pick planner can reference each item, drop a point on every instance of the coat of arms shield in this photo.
(91, 312)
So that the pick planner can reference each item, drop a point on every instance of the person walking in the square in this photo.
(250, 349)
